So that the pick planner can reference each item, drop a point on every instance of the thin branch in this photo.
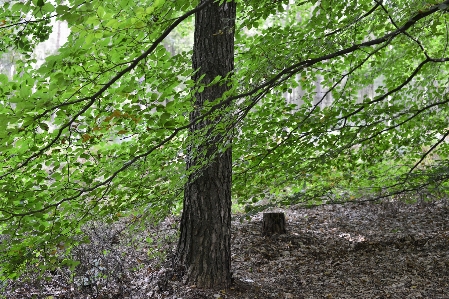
(406, 33)
(26, 22)
(355, 21)
(441, 140)
(390, 92)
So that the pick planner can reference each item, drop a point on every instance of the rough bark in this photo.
(204, 244)
(273, 223)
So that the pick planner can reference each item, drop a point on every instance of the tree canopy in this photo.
(99, 130)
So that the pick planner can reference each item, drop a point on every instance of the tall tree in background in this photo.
(205, 243)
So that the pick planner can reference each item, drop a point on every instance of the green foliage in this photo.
(299, 149)
(100, 129)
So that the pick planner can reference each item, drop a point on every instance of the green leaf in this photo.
(100, 11)
(163, 118)
(3, 79)
(44, 126)
(48, 8)
(62, 9)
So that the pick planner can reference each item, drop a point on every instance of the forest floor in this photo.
(388, 250)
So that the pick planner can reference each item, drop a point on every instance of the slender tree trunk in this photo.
(204, 244)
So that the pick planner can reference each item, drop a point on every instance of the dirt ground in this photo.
(388, 250)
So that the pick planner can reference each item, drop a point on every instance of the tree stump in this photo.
(273, 223)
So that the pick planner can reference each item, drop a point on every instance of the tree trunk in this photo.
(273, 223)
(204, 244)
